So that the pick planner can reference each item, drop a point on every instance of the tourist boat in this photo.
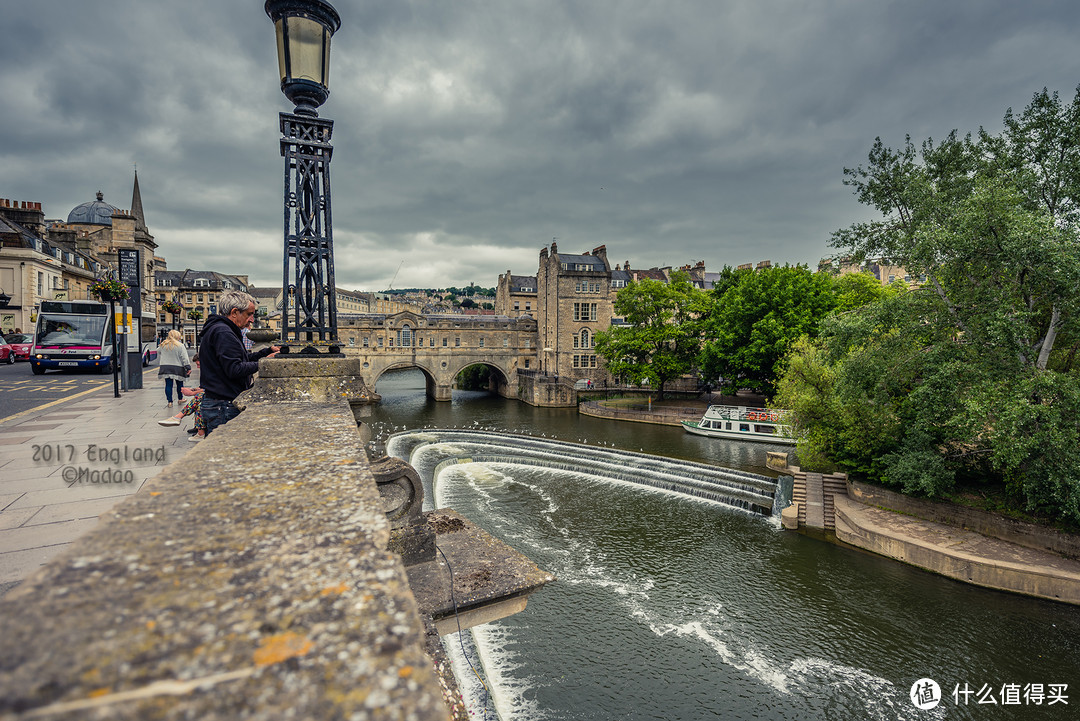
(742, 424)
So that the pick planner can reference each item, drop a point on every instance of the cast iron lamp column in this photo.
(304, 29)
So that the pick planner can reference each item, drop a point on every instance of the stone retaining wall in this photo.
(988, 524)
(250, 580)
(665, 416)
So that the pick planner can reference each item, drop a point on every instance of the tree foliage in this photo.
(660, 340)
(962, 378)
(754, 317)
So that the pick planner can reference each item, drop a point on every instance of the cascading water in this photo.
(739, 489)
(672, 606)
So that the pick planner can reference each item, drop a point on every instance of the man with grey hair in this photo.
(226, 366)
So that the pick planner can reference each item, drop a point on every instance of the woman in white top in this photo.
(174, 364)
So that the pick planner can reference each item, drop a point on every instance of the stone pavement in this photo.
(958, 553)
(63, 465)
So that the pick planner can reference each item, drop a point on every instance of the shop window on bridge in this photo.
(481, 342)
(506, 342)
(366, 342)
(378, 341)
(404, 337)
(431, 342)
(526, 364)
(444, 342)
(457, 342)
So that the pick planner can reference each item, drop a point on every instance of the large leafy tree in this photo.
(959, 378)
(755, 317)
(661, 337)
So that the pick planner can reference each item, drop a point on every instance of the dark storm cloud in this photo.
(468, 134)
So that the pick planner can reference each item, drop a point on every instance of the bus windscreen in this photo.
(65, 331)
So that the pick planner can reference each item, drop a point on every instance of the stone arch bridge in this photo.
(441, 346)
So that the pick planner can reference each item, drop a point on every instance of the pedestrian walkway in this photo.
(66, 463)
(958, 553)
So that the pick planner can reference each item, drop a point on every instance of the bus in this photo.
(72, 334)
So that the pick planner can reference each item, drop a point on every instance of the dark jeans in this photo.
(168, 389)
(217, 413)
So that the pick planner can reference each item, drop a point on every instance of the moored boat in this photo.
(741, 423)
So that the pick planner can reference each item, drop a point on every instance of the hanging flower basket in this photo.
(171, 306)
(109, 289)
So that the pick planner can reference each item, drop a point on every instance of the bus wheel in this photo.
(106, 369)
(38, 370)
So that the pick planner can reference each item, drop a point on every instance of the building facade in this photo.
(36, 265)
(196, 290)
(881, 268)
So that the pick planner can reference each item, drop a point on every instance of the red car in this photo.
(7, 353)
(21, 343)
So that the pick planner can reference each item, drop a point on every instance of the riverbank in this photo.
(668, 412)
(919, 533)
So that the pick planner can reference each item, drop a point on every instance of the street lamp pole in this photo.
(304, 29)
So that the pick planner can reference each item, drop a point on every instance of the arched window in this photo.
(584, 337)
(405, 336)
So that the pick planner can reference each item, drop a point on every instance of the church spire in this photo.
(136, 205)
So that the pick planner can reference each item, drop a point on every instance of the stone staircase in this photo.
(814, 493)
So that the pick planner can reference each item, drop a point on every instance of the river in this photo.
(672, 607)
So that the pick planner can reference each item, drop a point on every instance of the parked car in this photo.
(21, 342)
(7, 352)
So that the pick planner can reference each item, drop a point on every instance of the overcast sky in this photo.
(469, 133)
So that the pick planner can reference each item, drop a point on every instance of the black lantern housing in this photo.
(304, 29)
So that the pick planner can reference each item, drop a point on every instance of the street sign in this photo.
(123, 322)
(129, 266)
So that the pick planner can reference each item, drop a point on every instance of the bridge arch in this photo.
(441, 346)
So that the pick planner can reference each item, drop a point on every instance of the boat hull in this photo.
(692, 427)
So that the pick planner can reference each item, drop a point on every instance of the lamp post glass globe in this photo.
(304, 29)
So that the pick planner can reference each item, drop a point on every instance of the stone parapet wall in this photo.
(988, 524)
(250, 580)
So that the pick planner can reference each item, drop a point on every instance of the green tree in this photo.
(959, 379)
(474, 378)
(661, 337)
(755, 317)
(854, 290)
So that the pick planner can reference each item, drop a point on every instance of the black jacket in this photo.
(225, 366)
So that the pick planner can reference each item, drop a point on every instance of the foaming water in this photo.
(676, 607)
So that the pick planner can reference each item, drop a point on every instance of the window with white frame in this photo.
(584, 312)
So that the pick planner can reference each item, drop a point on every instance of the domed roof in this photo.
(96, 212)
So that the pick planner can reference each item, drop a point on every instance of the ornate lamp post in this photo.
(304, 29)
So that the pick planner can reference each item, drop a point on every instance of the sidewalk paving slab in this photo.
(41, 513)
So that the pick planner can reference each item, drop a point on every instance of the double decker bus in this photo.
(72, 334)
